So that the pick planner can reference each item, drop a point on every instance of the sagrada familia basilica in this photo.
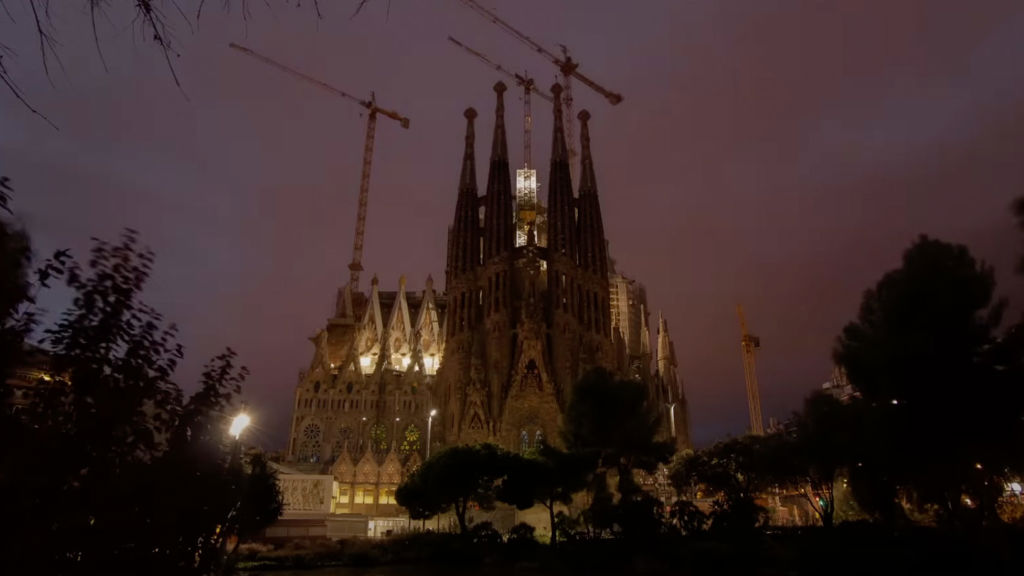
(530, 302)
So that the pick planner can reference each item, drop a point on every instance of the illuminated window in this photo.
(363, 496)
(387, 496)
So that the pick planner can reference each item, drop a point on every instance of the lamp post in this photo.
(430, 421)
(238, 424)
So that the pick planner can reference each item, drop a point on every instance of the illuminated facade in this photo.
(530, 303)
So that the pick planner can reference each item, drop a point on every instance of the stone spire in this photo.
(499, 235)
(672, 394)
(666, 354)
(561, 221)
(593, 247)
(464, 251)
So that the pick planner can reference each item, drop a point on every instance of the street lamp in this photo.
(238, 424)
(430, 421)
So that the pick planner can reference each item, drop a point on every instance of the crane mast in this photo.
(749, 344)
(356, 265)
(526, 177)
(566, 66)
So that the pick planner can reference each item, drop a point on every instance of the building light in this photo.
(405, 361)
(364, 361)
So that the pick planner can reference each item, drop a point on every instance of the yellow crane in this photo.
(356, 266)
(749, 344)
(568, 67)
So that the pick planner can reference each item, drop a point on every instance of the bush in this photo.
(522, 532)
(485, 534)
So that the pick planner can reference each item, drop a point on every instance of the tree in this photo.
(614, 424)
(156, 20)
(109, 464)
(15, 264)
(735, 470)
(17, 289)
(455, 478)
(818, 450)
(549, 477)
(941, 388)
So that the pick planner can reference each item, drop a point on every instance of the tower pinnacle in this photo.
(464, 250)
(499, 235)
(561, 213)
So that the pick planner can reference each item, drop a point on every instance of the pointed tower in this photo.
(593, 247)
(561, 217)
(499, 235)
(465, 243)
(671, 395)
(464, 239)
(593, 250)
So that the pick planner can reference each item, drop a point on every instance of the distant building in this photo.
(34, 371)
(493, 357)
(839, 385)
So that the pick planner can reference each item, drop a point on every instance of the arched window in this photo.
(538, 438)
(524, 441)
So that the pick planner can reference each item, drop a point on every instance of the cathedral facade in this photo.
(527, 308)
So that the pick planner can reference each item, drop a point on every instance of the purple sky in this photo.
(778, 154)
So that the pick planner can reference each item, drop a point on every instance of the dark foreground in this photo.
(847, 549)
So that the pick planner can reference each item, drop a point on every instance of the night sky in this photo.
(778, 154)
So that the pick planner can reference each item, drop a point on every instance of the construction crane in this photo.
(749, 344)
(529, 87)
(527, 208)
(568, 67)
(356, 266)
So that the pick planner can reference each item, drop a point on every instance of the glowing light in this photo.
(1015, 487)
(430, 364)
(405, 361)
(239, 424)
(364, 361)
(433, 412)
(526, 205)
(895, 401)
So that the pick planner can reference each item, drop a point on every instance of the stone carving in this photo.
(306, 493)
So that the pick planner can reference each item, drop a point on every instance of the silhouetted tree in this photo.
(156, 20)
(613, 423)
(15, 267)
(943, 391)
(735, 470)
(91, 482)
(18, 284)
(813, 456)
(549, 477)
(454, 478)
(687, 517)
